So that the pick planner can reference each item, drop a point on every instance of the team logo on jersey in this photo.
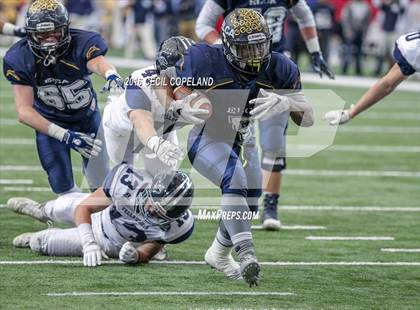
(92, 50)
(13, 74)
(43, 5)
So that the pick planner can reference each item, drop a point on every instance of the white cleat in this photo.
(28, 207)
(22, 241)
(161, 255)
(271, 224)
(223, 263)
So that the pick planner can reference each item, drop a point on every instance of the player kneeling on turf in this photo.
(128, 218)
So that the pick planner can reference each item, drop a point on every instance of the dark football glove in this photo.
(86, 145)
(20, 32)
(320, 66)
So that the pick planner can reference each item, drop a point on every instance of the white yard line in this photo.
(379, 129)
(16, 181)
(26, 189)
(393, 250)
(293, 227)
(353, 173)
(390, 116)
(350, 208)
(302, 172)
(185, 262)
(348, 238)
(168, 293)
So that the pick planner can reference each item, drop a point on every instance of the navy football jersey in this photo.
(274, 11)
(231, 109)
(63, 93)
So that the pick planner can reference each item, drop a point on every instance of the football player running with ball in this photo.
(49, 71)
(272, 130)
(223, 149)
(129, 217)
(407, 56)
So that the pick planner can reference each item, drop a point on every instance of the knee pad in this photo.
(273, 161)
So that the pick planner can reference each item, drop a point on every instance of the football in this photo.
(200, 102)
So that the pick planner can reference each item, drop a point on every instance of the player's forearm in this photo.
(378, 91)
(7, 29)
(95, 202)
(101, 66)
(206, 22)
(144, 124)
(30, 117)
(311, 39)
(301, 111)
(147, 251)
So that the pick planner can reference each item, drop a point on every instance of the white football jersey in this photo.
(121, 221)
(407, 52)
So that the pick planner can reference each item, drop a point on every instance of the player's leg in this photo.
(60, 210)
(253, 175)
(273, 144)
(96, 168)
(56, 242)
(221, 165)
(119, 144)
(56, 161)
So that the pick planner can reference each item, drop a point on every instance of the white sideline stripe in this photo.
(336, 238)
(8, 121)
(304, 172)
(17, 181)
(185, 262)
(189, 293)
(400, 250)
(380, 129)
(293, 227)
(26, 189)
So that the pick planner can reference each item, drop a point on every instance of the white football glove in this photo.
(166, 151)
(268, 104)
(185, 112)
(338, 117)
(129, 254)
(92, 254)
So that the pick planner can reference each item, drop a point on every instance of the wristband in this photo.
(110, 72)
(56, 131)
(218, 41)
(313, 45)
(153, 142)
(86, 233)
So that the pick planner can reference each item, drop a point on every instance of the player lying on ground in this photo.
(224, 149)
(12, 30)
(139, 110)
(272, 130)
(407, 55)
(50, 73)
(129, 217)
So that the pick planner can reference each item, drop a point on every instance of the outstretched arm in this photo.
(377, 92)
(380, 90)
(206, 22)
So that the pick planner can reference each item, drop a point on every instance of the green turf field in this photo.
(365, 190)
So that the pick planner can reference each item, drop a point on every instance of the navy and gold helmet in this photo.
(168, 198)
(171, 50)
(246, 40)
(45, 18)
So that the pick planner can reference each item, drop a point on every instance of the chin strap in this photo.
(49, 60)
